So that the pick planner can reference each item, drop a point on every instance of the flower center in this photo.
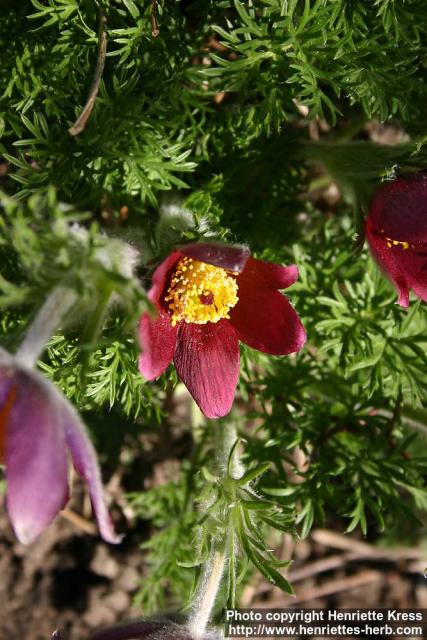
(397, 243)
(200, 292)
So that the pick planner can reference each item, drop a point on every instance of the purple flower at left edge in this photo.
(38, 428)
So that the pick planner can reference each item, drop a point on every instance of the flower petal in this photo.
(399, 208)
(226, 256)
(406, 267)
(268, 275)
(265, 320)
(207, 360)
(419, 282)
(36, 461)
(85, 460)
(161, 276)
(157, 338)
(7, 399)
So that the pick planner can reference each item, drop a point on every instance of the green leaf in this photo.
(251, 474)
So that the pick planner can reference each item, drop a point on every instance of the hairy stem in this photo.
(207, 593)
(58, 303)
(97, 319)
(207, 590)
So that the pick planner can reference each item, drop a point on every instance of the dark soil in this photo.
(66, 579)
(73, 581)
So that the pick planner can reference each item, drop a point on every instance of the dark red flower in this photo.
(208, 297)
(396, 229)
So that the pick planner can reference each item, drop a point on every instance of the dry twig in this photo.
(336, 585)
(79, 522)
(154, 25)
(83, 118)
(363, 549)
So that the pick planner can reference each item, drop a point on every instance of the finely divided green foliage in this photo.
(220, 510)
(155, 119)
(217, 108)
(44, 244)
(346, 401)
(320, 52)
(172, 547)
(359, 329)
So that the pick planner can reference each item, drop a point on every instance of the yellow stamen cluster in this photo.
(397, 243)
(200, 292)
